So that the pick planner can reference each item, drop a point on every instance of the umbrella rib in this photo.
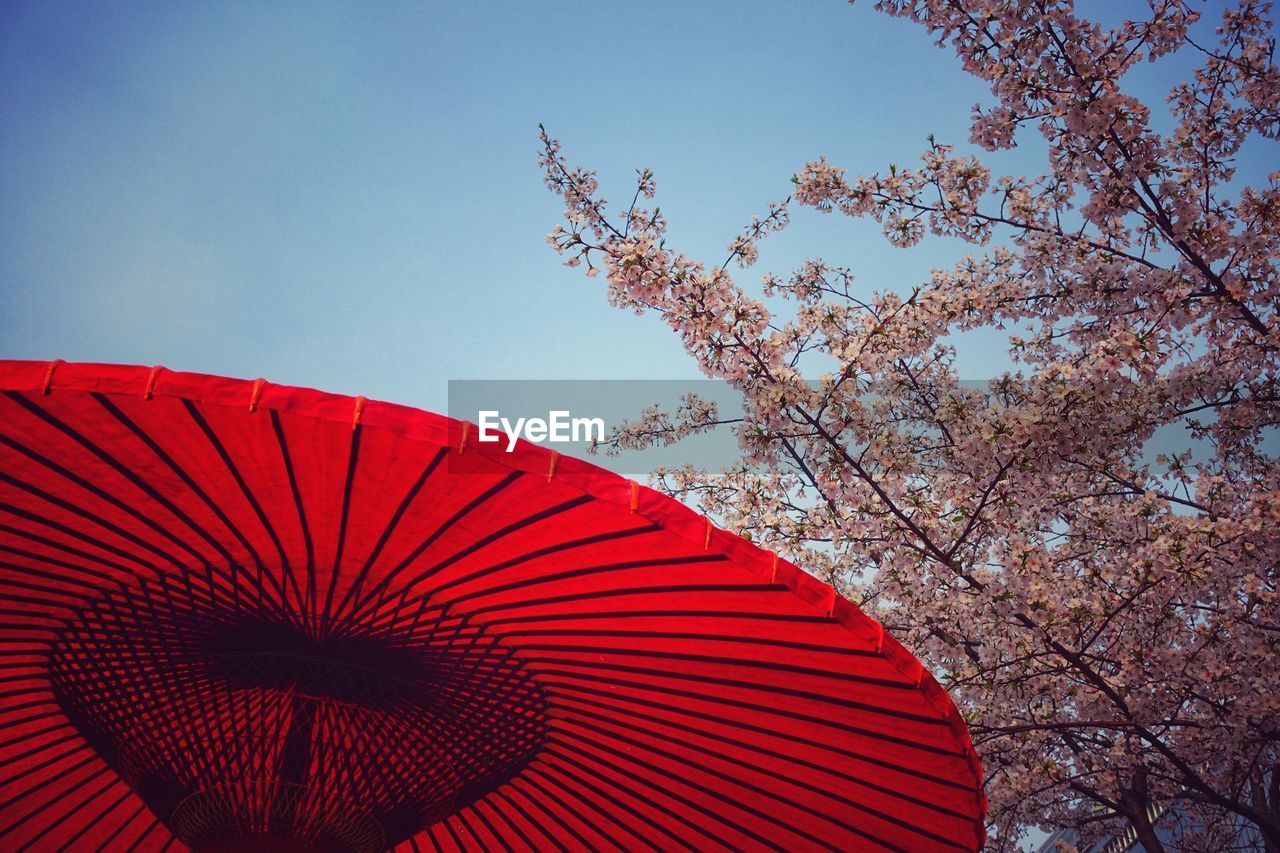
(763, 750)
(824, 792)
(45, 559)
(464, 820)
(78, 535)
(391, 526)
(694, 636)
(741, 705)
(593, 788)
(475, 812)
(124, 824)
(22, 795)
(500, 814)
(510, 793)
(115, 464)
(359, 608)
(569, 574)
(28, 616)
(661, 614)
(706, 789)
(155, 635)
(306, 601)
(37, 665)
(61, 798)
(549, 804)
(99, 818)
(26, 706)
(249, 496)
(447, 824)
(809, 696)
(25, 736)
(353, 455)
(151, 827)
(102, 494)
(397, 620)
(91, 517)
(595, 779)
(506, 793)
(772, 666)
(41, 594)
(566, 752)
(190, 483)
(541, 552)
(535, 772)
(666, 589)
(119, 468)
(741, 783)
(26, 691)
(543, 515)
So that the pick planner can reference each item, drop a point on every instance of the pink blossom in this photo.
(1108, 619)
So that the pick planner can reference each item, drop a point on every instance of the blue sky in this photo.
(346, 195)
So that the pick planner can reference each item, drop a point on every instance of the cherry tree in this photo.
(1106, 617)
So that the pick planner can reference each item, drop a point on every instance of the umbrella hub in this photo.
(248, 721)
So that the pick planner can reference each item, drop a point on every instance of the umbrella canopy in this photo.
(239, 615)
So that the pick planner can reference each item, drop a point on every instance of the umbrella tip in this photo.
(258, 385)
(151, 382)
(48, 376)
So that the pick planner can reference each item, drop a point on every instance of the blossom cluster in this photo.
(1107, 616)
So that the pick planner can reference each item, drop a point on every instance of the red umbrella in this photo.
(239, 615)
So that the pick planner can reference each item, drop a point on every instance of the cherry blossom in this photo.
(1104, 609)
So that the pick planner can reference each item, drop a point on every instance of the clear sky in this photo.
(346, 195)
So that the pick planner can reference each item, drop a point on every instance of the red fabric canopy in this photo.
(234, 610)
